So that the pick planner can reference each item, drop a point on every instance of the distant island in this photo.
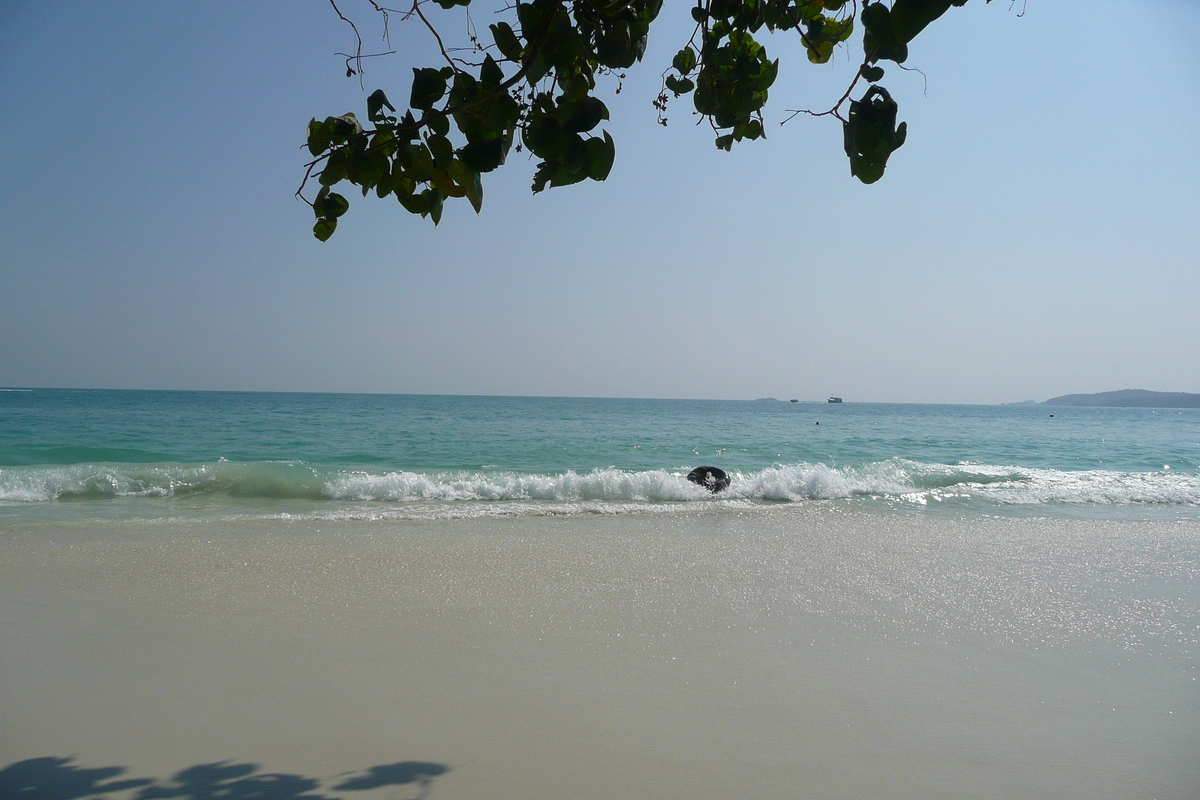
(1128, 398)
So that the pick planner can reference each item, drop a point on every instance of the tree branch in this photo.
(357, 45)
(833, 111)
(416, 7)
(399, 130)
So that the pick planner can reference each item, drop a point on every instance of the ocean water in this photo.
(79, 455)
(889, 601)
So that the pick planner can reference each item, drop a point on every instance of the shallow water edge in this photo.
(813, 652)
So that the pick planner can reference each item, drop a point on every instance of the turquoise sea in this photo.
(526, 598)
(78, 455)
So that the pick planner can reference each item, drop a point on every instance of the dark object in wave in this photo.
(711, 478)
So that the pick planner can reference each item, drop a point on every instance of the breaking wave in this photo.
(897, 479)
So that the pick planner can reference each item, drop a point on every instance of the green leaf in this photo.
(506, 41)
(486, 155)
(871, 134)
(470, 182)
(530, 17)
(541, 176)
(330, 204)
(679, 85)
(429, 85)
(435, 205)
(488, 112)
(684, 61)
(318, 137)
(403, 185)
(639, 46)
(384, 141)
(750, 129)
(909, 17)
(724, 9)
(819, 52)
(573, 156)
(899, 54)
(443, 151)
(445, 184)
(343, 127)
(584, 115)
(877, 19)
(335, 168)
(615, 46)
(324, 228)
(438, 123)
(490, 74)
(566, 177)
(770, 72)
(376, 102)
(404, 158)
(415, 203)
(872, 74)
(366, 168)
(537, 68)
(465, 88)
(422, 162)
(600, 156)
(542, 134)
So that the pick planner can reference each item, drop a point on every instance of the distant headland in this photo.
(1128, 398)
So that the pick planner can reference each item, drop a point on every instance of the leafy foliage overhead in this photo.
(534, 86)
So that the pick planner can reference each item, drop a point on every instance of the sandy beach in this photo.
(792, 652)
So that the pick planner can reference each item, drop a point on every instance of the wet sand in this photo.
(789, 652)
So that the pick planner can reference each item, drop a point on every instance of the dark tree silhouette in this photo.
(56, 778)
(531, 82)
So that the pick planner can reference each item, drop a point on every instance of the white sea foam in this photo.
(603, 490)
(1095, 487)
(54, 482)
(612, 485)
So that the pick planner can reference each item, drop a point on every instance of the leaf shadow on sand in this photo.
(56, 778)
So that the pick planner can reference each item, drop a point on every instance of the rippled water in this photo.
(414, 456)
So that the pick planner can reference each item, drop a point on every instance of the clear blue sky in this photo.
(1037, 235)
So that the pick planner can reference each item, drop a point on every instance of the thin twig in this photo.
(358, 43)
(417, 8)
(387, 34)
(361, 56)
(922, 74)
(836, 106)
(307, 174)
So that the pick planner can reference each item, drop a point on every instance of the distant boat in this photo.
(834, 399)
(795, 401)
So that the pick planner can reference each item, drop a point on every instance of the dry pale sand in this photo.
(783, 653)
